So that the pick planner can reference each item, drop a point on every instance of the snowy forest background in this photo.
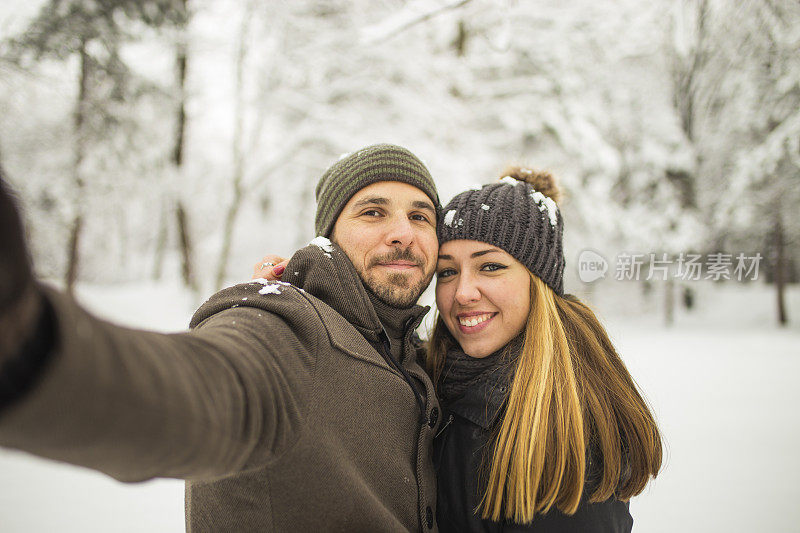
(161, 147)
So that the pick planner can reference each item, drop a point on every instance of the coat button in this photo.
(429, 517)
(434, 417)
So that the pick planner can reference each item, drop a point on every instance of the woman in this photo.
(546, 429)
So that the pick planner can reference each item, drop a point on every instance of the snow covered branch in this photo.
(414, 13)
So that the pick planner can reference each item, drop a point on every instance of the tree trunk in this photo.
(780, 270)
(669, 301)
(227, 235)
(181, 214)
(238, 152)
(161, 244)
(180, 124)
(460, 42)
(73, 253)
(79, 119)
(185, 246)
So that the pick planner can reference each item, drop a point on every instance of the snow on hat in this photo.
(353, 172)
(518, 214)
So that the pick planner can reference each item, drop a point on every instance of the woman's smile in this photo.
(474, 322)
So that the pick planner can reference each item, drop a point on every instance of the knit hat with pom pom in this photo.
(517, 214)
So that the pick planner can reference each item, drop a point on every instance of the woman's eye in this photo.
(492, 267)
(372, 213)
(445, 273)
(421, 218)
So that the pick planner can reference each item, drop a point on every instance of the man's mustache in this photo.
(397, 255)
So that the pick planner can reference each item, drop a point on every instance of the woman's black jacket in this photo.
(459, 450)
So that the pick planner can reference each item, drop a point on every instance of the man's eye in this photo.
(445, 273)
(492, 267)
(372, 213)
(421, 218)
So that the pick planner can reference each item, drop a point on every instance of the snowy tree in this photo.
(747, 129)
(93, 34)
(767, 171)
(175, 204)
(636, 107)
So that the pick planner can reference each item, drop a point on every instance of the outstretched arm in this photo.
(227, 396)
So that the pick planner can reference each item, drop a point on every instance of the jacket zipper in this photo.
(444, 426)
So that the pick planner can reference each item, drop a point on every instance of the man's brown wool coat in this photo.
(277, 408)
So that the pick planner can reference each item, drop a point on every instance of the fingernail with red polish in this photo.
(278, 270)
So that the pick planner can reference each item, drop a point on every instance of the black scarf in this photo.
(461, 372)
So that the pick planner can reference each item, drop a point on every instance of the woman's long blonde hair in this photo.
(570, 393)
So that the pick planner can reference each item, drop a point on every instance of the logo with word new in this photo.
(591, 266)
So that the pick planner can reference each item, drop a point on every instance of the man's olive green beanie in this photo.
(353, 172)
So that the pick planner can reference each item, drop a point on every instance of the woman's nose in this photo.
(467, 291)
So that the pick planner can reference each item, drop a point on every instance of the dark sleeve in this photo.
(19, 372)
(134, 404)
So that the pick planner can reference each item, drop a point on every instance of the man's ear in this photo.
(332, 236)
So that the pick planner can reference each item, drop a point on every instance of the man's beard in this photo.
(395, 289)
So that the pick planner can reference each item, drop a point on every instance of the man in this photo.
(295, 407)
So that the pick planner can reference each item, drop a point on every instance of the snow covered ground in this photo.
(722, 382)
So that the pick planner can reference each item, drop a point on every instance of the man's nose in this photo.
(400, 232)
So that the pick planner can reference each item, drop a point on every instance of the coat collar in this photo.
(325, 272)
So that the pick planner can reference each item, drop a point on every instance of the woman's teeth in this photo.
(474, 320)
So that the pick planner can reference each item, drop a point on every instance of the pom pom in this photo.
(540, 180)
